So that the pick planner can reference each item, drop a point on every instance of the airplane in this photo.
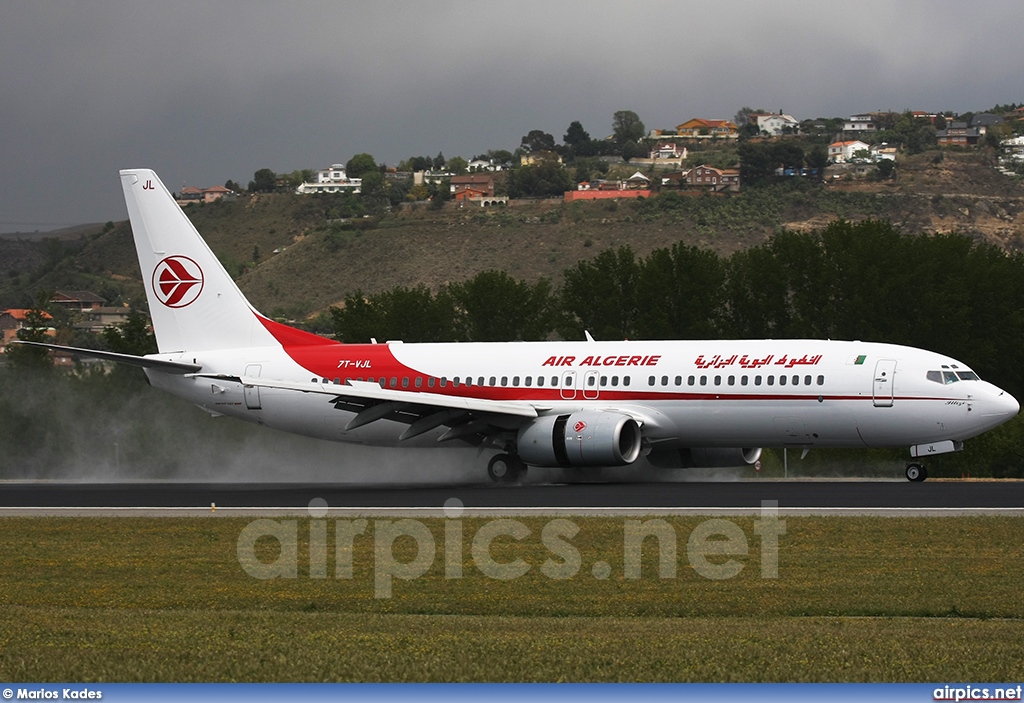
(579, 405)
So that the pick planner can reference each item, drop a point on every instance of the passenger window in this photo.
(771, 380)
(480, 381)
(554, 381)
(796, 380)
(337, 381)
(604, 381)
(491, 383)
(455, 381)
(504, 381)
(743, 380)
(679, 380)
(430, 382)
(703, 380)
(625, 381)
(782, 381)
(615, 380)
(664, 380)
(529, 381)
(405, 381)
(718, 380)
(394, 382)
(590, 381)
(540, 380)
(690, 381)
(515, 381)
(444, 381)
(650, 380)
(757, 380)
(732, 380)
(807, 380)
(821, 380)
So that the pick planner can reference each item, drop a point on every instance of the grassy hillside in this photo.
(320, 259)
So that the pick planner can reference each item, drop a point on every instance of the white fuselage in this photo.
(743, 393)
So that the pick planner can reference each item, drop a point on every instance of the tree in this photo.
(438, 162)
(547, 177)
(263, 181)
(409, 314)
(133, 336)
(576, 136)
(626, 126)
(494, 307)
(34, 329)
(538, 140)
(457, 165)
(359, 165)
(600, 296)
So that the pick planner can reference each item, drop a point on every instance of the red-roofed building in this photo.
(698, 128)
(15, 319)
(77, 299)
(191, 194)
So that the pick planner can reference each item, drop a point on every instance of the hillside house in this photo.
(718, 180)
(331, 180)
(842, 152)
(191, 194)
(776, 125)
(958, 134)
(483, 183)
(77, 300)
(668, 150)
(13, 320)
(698, 128)
(860, 124)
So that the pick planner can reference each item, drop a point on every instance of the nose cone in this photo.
(1000, 408)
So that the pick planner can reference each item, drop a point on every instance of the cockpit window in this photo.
(947, 377)
(967, 376)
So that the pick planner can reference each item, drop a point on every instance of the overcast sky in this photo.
(208, 91)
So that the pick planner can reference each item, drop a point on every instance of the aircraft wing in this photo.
(466, 418)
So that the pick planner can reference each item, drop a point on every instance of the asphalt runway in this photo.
(815, 496)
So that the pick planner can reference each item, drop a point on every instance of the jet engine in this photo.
(580, 439)
(703, 457)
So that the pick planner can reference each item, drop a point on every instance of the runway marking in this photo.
(438, 512)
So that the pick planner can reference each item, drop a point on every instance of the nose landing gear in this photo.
(916, 472)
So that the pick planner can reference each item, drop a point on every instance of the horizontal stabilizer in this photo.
(145, 362)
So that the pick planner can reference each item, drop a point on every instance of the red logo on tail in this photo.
(177, 281)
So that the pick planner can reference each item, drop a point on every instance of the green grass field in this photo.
(856, 599)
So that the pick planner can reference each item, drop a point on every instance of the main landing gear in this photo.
(506, 468)
(916, 472)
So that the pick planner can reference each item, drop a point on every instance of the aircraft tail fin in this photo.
(194, 303)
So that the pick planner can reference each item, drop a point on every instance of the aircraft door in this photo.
(568, 385)
(884, 383)
(591, 387)
(252, 393)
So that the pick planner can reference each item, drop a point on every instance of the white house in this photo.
(841, 152)
(860, 124)
(331, 180)
(774, 125)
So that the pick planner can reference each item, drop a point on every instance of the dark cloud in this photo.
(204, 92)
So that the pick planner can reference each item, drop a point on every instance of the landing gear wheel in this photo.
(505, 468)
(916, 473)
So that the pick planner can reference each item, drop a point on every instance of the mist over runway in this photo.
(813, 496)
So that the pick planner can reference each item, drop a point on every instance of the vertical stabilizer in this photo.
(194, 304)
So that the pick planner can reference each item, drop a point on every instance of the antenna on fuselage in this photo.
(589, 337)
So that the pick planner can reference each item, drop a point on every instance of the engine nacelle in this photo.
(703, 457)
(580, 439)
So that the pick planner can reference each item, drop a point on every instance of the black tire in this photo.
(916, 473)
(499, 468)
